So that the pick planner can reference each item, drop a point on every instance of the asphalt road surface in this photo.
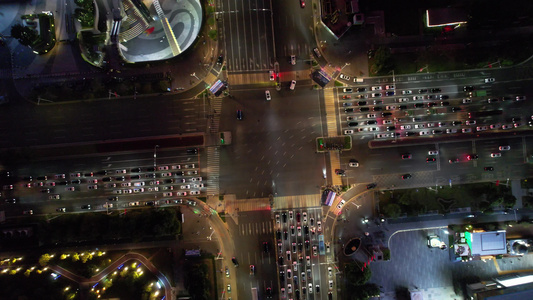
(273, 146)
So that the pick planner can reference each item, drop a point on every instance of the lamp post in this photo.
(155, 155)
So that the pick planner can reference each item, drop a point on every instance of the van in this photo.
(293, 85)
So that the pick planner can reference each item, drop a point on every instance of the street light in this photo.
(155, 155)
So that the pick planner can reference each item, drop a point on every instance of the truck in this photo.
(321, 247)
(479, 93)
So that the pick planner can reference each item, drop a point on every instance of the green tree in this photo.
(383, 63)
(25, 35)
(354, 274)
(392, 210)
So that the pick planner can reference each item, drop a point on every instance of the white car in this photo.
(54, 197)
(191, 166)
(198, 186)
(339, 206)
(407, 92)
(267, 95)
(166, 174)
(293, 60)
(504, 148)
(371, 115)
(136, 203)
(348, 131)
(405, 127)
(433, 152)
(176, 167)
(167, 194)
(470, 122)
(383, 135)
(138, 183)
(342, 76)
(390, 107)
(185, 187)
(451, 130)
(354, 164)
(495, 154)
(389, 87)
(403, 100)
(420, 126)
(117, 192)
(423, 133)
(481, 128)
(466, 100)
(374, 128)
(194, 193)
(293, 85)
(418, 98)
(272, 75)
(387, 122)
(489, 80)
(376, 88)
(181, 193)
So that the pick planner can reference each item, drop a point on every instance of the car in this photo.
(125, 184)
(466, 101)
(319, 226)
(472, 157)
(220, 59)
(185, 187)
(289, 288)
(346, 97)
(315, 251)
(415, 98)
(423, 133)
(371, 122)
(229, 288)
(376, 88)
(451, 130)
(28, 212)
(384, 122)
(481, 128)
(420, 126)
(389, 93)
(167, 194)
(252, 270)
(70, 189)
(353, 163)
(468, 88)
(437, 132)
(489, 80)
(295, 266)
(293, 60)
(456, 123)
(234, 261)
(470, 122)
(407, 92)
(272, 75)
(352, 124)
(493, 100)
(341, 203)
(386, 114)
(456, 109)
(520, 98)
(61, 209)
(453, 160)
(389, 87)
(86, 206)
(347, 90)
(348, 110)
(405, 127)
(435, 90)
(293, 85)
(194, 193)
(507, 126)
(330, 282)
(283, 292)
(374, 95)
(495, 126)
(406, 176)
(431, 159)
(317, 52)
(495, 154)
(445, 103)
(506, 98)
(419, 105)
(239, 114)
(361, 103)
(292, 229)
(267, 95)
(504, 148)
(181, 194)
(348, 131)
(466, 130)
(390, 107)
(92, 187)
(488, 168)
(345, 77)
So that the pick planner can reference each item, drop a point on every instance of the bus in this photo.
(484, 113)
(254, 294)
(321, 247)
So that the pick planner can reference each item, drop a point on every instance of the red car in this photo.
(302, 3)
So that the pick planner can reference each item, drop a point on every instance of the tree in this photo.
(392, 210)
(44, 259)
(25, 35)
(383, 63)
(354, 275)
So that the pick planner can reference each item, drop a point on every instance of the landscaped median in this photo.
(484, 197)
(337, 143)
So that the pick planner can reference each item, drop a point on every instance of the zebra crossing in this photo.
(253, 229)
(216, 105)
(213, 169)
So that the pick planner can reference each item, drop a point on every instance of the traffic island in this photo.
(352, 246)
(336, 143)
